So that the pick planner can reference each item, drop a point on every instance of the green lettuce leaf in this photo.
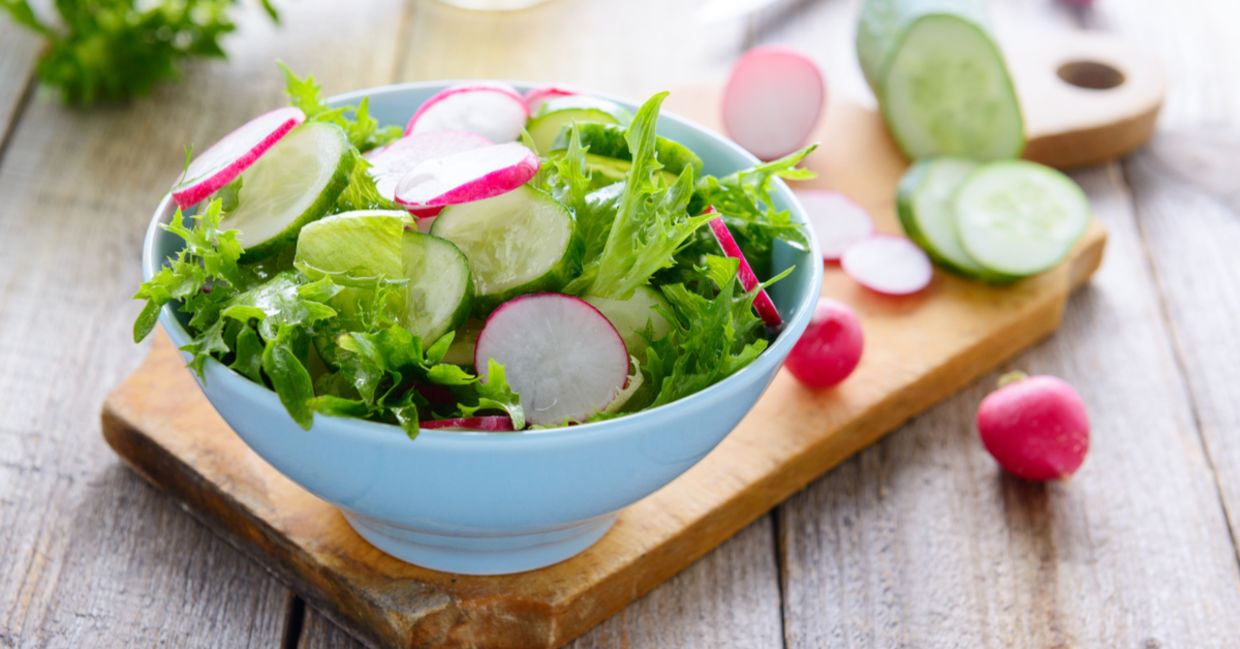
(363, 130)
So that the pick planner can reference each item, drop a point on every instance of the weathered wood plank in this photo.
(1188, 209)
(87, 551)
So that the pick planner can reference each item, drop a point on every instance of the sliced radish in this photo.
(535, 97)
(226, 159)
(392, 162)
(496, 424)
(492, 110)
(467, 176)
(772, 101)
(838, 222)
(559, 353)
(888, 264)
(762, 302)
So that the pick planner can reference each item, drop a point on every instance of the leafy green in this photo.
(361, 192)
(362, 130)
(112, 50)
(651, 223)
(744, 200)
(711, 337)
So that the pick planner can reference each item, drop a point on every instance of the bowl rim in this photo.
(380, 432)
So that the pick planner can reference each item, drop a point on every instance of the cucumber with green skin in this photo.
(631, 317)
(608, 141)
(522, 241)
(925, 207)
(556, 113)
(941, 81)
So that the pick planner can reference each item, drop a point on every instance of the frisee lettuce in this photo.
(363, 130)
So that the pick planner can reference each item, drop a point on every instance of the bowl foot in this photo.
(481, 555)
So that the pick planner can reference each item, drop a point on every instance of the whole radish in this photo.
(1035, 427)
(830, 348)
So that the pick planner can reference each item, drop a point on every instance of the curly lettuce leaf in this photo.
(362, 130)
(361, 193)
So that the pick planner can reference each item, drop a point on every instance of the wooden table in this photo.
(918, 541)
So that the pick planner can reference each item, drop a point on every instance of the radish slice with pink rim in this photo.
(535, 97)
(233, 154)
(496, 424)
(492, 110)
(394, 161)
(837, 220)
(749, 281)
(772, 101)
(562, 356)
(467, 176)
(888, 264)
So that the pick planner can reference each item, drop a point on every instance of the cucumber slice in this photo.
(518, 242)
(461, 351)
(1019, 218)
(882, 23)
(440, 290)
(607, 140)
(612, 170)
(631, 316)
(556, 113)
(924, 203)
(297, 181)
(946, 91)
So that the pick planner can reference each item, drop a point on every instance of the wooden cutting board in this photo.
(919, 350)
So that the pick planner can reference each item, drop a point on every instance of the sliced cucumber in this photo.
(924, 203)
(292, 184)
(607, 140)
(518, 242)
(946, 91)
(440, 290)
(881, 25)
(631, 316)
(606, 171)
(461, 351)
(1019, 218)
(556, 113)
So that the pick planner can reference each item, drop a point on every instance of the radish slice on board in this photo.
(762, 302)
(392, 162)
(838, 222)
(226, 159)
(772, 101)
(559, 353)
(888, 264)
(467, 176)
(535, 97)
(497, 424)
(492, 110)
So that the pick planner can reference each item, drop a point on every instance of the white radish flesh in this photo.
(772, 101)
(392, 162)
(467, 176)
(496, 424)
(559, 353)
(888, 264)
(234, 153)
(492, 110)
(535, 97)
(749, 281)
(838, 222)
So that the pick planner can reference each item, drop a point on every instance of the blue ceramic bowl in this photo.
(493, 503)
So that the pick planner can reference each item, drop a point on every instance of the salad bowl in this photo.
(496, 503)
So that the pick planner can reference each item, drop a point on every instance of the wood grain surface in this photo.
(91, 556)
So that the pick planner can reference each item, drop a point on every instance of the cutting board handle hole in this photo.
(1091, 75)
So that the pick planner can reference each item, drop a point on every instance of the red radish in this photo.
(467, 176)
(762, 302)
(559, 353)
(496, 424)
(1035, 427)
(226, 159)
(830, 348)
(772, 101)
(888, 264)
(838, 222)
(392, 162)
(535, 97)
(492, 110)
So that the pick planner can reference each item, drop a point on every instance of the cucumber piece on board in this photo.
(941, 81)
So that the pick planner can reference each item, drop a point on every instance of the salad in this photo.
(504, 261)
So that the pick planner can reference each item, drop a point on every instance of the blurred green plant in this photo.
(113, 50)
